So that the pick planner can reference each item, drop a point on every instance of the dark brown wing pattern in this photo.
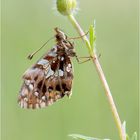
(47, 81)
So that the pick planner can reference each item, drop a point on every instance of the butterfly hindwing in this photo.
(47, 81)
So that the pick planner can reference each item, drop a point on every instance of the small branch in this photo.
(101, 76)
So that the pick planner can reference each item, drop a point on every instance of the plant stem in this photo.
(81, 33)
(101, 76)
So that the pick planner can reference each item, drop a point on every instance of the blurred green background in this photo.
(26, 25)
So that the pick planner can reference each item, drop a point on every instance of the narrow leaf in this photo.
(124, 126)
(81, 137)
(127, 137)
(134, 137)
(92, 36)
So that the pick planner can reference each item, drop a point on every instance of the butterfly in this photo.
(51, 77)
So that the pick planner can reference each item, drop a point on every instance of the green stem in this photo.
(81, 33)
(102, 78)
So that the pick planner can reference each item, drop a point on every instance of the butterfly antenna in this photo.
(30, 56)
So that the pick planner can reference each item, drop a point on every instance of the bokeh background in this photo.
(26, 25)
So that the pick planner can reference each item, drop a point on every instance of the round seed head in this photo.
(66, 7)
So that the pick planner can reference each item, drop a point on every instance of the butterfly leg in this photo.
(78, 37)
(87, 58)
(83, 61)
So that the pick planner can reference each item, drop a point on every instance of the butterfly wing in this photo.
(49, 80)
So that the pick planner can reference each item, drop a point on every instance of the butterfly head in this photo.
(64, 43)
(60, 35)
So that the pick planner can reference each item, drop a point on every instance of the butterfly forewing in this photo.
(47, 81)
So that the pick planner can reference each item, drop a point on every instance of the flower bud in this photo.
(66, 7)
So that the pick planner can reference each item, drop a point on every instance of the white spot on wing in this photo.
(43, 98)
(25, 104)
(43, 62)
(69, 65)
(27, 82)
(55, 49)
(21, 103)
(42, 104)
(62, 58)
(31, 87)
(52, 53)
(24, 92)
(68, 68)
(61, 73)
(25, 99)
(36, 93)
(49, 72)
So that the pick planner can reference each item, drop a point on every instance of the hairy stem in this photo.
(102, 78)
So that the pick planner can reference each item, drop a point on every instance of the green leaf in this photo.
(92, 36)
(91, 30)
(124, 126)
(81, 137)
(134, 136)
(124, 129)
(127, 137)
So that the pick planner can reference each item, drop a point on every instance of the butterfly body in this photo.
(50, 79)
